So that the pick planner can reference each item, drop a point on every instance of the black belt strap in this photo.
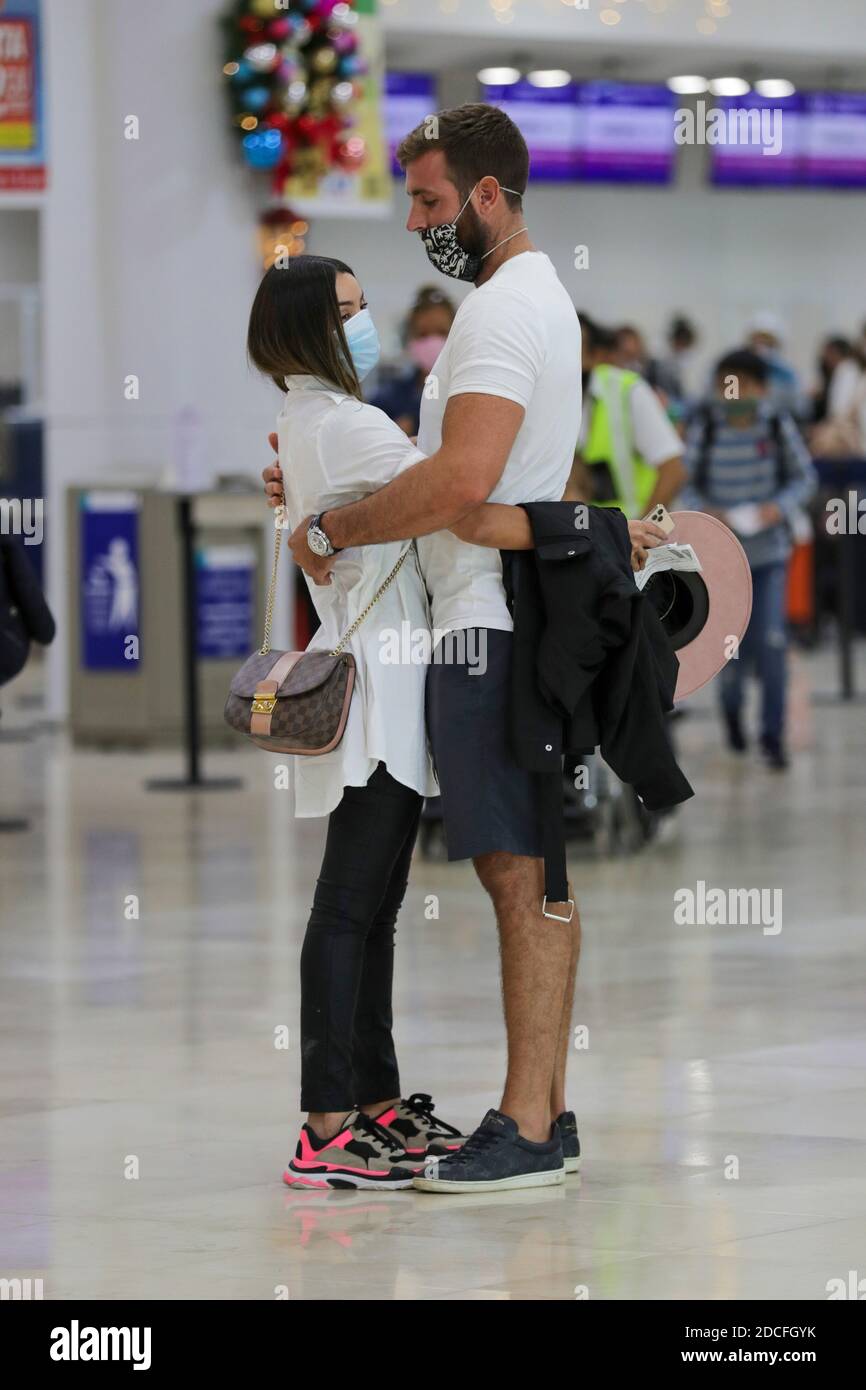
(553, 836)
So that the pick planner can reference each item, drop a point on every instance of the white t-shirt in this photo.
(655, 438)
(334, 450)
(516, 336)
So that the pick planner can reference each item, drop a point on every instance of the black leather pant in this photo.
(347, 961)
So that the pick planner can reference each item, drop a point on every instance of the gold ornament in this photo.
(320, 96)
(325, 60)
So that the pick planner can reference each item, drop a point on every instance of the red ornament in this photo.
(308, 127)
(282, 172)
(349, 154)
(250, 24)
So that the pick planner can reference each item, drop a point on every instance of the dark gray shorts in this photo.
(488, 802)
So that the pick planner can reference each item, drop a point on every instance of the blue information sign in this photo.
(225, 600)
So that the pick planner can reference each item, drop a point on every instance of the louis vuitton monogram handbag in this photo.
(296, 702)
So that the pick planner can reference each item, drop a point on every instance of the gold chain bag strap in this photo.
(296, 702)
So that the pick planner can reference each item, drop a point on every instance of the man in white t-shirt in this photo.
(499, 421)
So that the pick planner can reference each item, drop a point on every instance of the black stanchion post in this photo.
(845, 576)
(190, 683)
(192, 718)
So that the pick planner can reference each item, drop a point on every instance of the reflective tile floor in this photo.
(146, 1113)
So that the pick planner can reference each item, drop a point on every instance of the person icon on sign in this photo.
(124, 604)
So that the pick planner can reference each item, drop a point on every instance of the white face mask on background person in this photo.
(363, 341)
(448, 256)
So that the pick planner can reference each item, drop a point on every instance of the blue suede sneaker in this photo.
(567, 1125)
(495, 1159)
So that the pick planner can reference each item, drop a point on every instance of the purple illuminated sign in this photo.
(599, 131)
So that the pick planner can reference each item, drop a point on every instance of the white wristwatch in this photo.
(317, 540)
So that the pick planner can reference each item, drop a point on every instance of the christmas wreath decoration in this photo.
(292, 70)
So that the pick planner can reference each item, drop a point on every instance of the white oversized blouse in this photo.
(334, 450)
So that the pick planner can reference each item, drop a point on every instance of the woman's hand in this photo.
(273, 477)
(644, 535)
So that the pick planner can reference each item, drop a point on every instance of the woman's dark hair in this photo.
(295, 324)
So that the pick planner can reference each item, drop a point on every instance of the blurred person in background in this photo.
(765, 337)
(628, 455)
(24, 614)
(424, 333)
(679, 369)
(630, 349)
(840, 402)
(749, 467)
(632, 354)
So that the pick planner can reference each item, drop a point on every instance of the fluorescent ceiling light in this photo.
(498, 77)
(549, 77)
(775, 87)
(729, 86)
(686, 86)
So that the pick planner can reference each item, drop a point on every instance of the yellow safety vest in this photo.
(611, 441)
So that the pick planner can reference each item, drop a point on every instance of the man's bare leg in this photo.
(557, 1093)
(535, 952)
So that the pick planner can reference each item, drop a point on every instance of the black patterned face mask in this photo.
(447, 255)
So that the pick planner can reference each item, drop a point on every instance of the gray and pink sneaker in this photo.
(418, 1130)
(363, 1154)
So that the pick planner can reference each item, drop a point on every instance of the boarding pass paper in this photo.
(667, 557)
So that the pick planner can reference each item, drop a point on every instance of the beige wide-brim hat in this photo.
(705, 614)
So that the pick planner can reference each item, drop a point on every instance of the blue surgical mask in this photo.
(363, 340)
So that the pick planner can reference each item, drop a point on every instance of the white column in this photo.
(75, 224)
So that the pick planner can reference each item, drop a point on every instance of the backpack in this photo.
(708, 436)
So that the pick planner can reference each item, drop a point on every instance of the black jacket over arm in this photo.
(592, 665)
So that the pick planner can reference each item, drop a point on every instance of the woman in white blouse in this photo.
(311, 332)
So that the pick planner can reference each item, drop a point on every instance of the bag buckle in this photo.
(263, 702)
(556, 916)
